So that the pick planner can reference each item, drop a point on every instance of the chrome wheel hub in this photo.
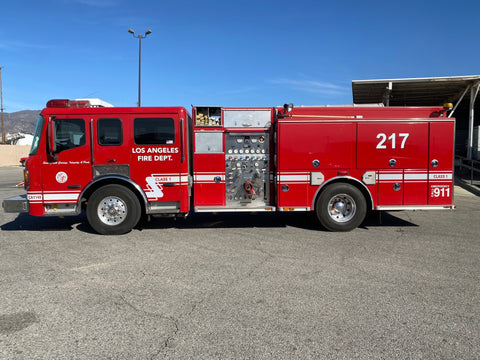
(112, 210)
(341, 208)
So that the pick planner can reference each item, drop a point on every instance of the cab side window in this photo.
(154, 131)
(109, 132)
(69, 134)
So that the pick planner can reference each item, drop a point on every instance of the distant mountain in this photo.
(21, 121)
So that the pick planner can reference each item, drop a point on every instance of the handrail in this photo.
(472, 165)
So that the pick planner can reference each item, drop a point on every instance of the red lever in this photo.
(248, 187)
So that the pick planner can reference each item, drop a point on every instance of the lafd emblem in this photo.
(61, 177)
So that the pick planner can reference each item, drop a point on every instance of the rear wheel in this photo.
(113, 210)
(341, 207)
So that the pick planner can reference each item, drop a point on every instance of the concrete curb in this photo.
(465, 184)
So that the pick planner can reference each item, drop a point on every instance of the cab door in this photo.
(110, 145)
(67, 170)
(156, 155)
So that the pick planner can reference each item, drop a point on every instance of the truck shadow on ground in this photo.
(307, 221)
(25, 222)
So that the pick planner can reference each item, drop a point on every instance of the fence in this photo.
(467, 168)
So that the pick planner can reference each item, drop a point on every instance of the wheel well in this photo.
(360, 186)
(134, 188)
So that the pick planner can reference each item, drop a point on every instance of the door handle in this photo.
(111, 160)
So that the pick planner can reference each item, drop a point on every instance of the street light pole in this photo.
(139, 37)
(1, 105)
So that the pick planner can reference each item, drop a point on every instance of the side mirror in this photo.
(52, 143)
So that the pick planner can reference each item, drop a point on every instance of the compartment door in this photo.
(440, 171)
(406, 143)
(209, 169)
(390, 187)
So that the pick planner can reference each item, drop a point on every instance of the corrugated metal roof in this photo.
(413, 91)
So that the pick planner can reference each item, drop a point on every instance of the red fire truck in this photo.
(118, 163)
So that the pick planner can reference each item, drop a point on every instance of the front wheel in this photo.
(341, 207)
(113, 210)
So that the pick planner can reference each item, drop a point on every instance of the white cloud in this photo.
(312, 86)
(240, 90)
(13, 45)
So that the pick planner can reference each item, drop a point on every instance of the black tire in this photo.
(113, 210)
(341, 207)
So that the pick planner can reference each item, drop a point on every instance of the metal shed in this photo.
(461, 91)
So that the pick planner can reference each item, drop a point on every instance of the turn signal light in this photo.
(25, 179)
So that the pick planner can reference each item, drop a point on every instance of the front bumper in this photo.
(17, 204)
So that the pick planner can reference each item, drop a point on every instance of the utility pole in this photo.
(1, 105)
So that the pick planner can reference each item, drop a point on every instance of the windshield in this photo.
(37, 136)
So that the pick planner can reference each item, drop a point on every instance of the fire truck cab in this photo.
(120, 163)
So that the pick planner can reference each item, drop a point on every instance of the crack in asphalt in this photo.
(170, 337)
(176, 321)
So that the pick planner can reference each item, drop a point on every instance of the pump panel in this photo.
(247, 163)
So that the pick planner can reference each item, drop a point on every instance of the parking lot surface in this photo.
(249, 286)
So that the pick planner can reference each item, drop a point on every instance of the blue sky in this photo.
(227, 53)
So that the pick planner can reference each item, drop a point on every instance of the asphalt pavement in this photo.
(405, 285)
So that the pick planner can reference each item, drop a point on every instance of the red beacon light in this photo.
(78, 103)
(65, 103)
(58, 103)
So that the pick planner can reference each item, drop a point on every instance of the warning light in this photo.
(65, 103)
(77, 103)
(58, 103)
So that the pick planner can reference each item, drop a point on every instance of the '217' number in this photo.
(382, 144)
